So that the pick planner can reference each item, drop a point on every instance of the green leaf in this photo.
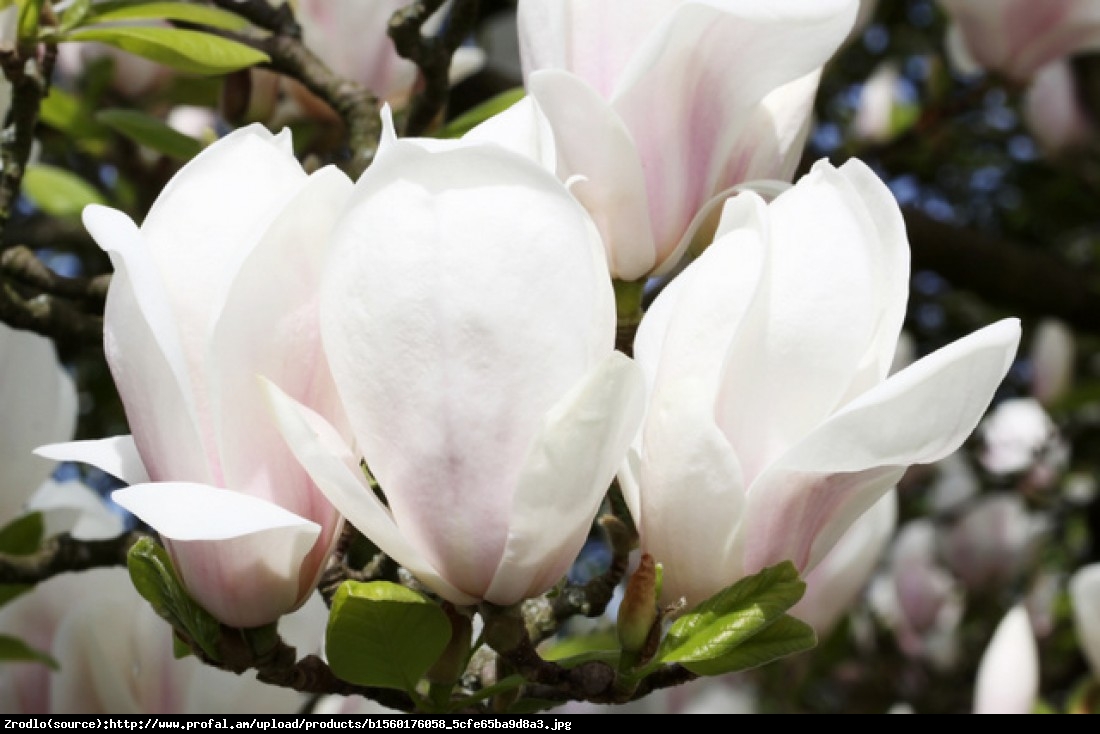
(29, 12)
(715, 628)
(150, 132)
(603, 641)
(76, 14)
(186, 12)
(383, 634)
(154, 578)
(57, 192)
(189, 51)
(23, 535)
(12, 649)
(470, 119)
(66, 113)
(785, 636)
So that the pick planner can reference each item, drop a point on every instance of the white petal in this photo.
(1008, 675)
(565, 477)
(117, 456)
(1084, 589)
(141, 340)
(38, 405)
(594, 145)
(71, 507)
(465, 294)
(337, 473)
(920, 414)
(238, 556)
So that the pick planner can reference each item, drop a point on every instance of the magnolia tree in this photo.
(418, 367)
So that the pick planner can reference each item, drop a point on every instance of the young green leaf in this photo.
(57, 192)
(383, 634)
(154, 578)
(152, 133)
(189, 51)
(181, 11)
(712, 631)
(785, 636)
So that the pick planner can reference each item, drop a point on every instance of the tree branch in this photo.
(1006, 274)
(64, 553)
(431, 53)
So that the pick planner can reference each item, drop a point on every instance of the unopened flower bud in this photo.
(638, 611)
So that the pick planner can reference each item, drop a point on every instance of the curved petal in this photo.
(594, 146)
(1084, 589)
(832, 587)
(565, 477)
(38, 404)
(272, 311)
(706, 63)
(117, 456)
(920, 414)
(336, 471)
(239, 184)
(239, 557)
(523, 129)
(1008, 675)
(818, 305)
(141, 340)
(452, 279)
(595, 41)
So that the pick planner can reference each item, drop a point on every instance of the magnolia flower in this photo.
(772, 425)
(659, 108)
(993, 542)
(1008, 675)
(834, 584)
(1084, 590)
(1016, 435)
(1019, 37)
(351, 37)
(217, 287)
(1053, 351)
(878, 101)
(37, 405)
(468, 317)
(1053, 112)
(918, 599)
(115, 656)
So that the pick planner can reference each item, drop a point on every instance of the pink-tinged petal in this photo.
(594, 145)
(38, 405)
(338, 474)
(272, 312)
(1008, 675)
(1084, 589)
(818, 304)
(142, 345)
(565, 477)
(595, 41)
(437, 319)
(833, 585)
(705, 63)
(800, 515)
(350, 37)
(238, 556)
(115, 657)
(117, 456)
(239, 184)
(920, 414)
